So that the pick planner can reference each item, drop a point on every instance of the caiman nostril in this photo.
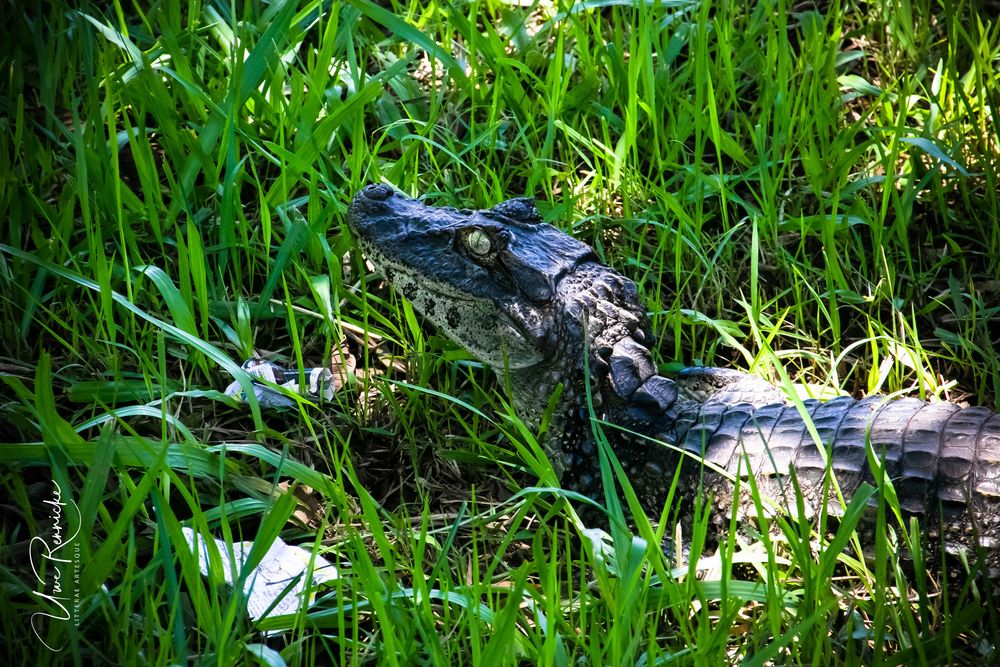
(377, 191)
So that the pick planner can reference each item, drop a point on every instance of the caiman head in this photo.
(520, 295)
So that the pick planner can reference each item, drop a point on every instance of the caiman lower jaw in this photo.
(499, 336)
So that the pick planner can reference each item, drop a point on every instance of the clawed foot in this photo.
(269, 379)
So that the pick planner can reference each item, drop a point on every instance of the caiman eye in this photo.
(479, 243)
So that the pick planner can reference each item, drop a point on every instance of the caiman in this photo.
(542, 310)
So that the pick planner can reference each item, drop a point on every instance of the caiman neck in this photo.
(600, 320)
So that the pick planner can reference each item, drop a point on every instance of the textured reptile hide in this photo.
(538, 307)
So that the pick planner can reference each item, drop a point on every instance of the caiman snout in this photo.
(377, 210)
(377, 191)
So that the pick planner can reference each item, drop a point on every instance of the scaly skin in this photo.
(539, 308)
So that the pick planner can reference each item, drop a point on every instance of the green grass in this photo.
(807, 193)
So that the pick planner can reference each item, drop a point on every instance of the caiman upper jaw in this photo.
(505, 252)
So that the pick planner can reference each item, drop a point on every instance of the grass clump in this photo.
(805, 190)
